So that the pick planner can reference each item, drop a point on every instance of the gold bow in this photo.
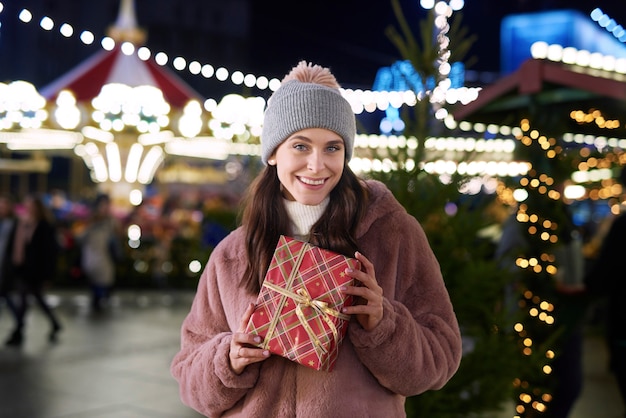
(302, 299)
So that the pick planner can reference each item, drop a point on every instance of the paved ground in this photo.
(116, 365)
(600, 397)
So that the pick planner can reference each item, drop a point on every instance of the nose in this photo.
(315, 162)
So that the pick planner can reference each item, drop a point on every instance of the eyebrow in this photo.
(309, 140)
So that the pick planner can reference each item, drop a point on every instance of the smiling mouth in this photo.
(312, 182)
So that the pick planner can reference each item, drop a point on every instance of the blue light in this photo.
(596, 14)
(611, 26)
(401, 76)
(568, 28)
(604, 21)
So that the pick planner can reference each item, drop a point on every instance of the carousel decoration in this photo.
(123, 112)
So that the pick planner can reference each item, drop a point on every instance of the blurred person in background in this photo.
(8, 222)
(34, 258)
(100, 250)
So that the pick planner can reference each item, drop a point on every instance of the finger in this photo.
(367, 269)
(365, 262)
(362, 277)
(246, 317)
(244, 356)
(360, 291)
(360, 310)
(367, 280)
(244, 339)
(252, 353)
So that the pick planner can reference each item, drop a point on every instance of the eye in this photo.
(333, 148)
(300, 147)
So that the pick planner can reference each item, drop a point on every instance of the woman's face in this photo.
(309, 164)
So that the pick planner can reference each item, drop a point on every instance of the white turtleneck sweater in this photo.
(303, 217)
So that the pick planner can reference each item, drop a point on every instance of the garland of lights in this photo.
(438, 98)
(542, 229)
(360, 100)
(370, 101)
(609, 24)
(537, 307)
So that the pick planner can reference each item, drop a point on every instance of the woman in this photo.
(100, 251)
(403, 338)
(34, 259)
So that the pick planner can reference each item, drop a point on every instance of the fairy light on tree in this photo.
(542, 221)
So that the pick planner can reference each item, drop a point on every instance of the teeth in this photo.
(311, 181)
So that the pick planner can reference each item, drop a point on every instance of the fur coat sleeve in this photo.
(417, 345)
(202, 366)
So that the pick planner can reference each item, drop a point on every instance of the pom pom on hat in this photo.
(308, 97)
(312, 73)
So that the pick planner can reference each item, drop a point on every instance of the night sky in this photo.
(350, 35)
(346, 35)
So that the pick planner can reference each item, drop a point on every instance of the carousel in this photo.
(124, 114)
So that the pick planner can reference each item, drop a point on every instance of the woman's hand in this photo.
(369, 302)
(242, 349)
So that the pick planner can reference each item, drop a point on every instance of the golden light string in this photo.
(537, 225)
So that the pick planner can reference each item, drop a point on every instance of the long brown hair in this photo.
(265, 218)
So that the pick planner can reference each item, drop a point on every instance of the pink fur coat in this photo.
(415, 348)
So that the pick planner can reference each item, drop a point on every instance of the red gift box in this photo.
(298, 311)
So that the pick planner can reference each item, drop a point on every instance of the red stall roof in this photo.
(548, 92)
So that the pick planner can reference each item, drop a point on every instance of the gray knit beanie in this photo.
(308, 97)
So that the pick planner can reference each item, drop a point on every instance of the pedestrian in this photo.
(606, 278)
(8, 222)
(100, 251)
(34, 258)
(403, 337)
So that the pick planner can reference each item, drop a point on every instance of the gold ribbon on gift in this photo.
(302, 299)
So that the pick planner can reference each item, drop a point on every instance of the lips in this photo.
(312, 182)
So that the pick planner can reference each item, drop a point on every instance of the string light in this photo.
(605, 21)
(583, 60)
(543, 231)
(106, 164)
(594, 116)
(361, 100)
(368, 101)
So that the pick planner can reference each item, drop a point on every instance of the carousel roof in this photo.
(86, 80)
